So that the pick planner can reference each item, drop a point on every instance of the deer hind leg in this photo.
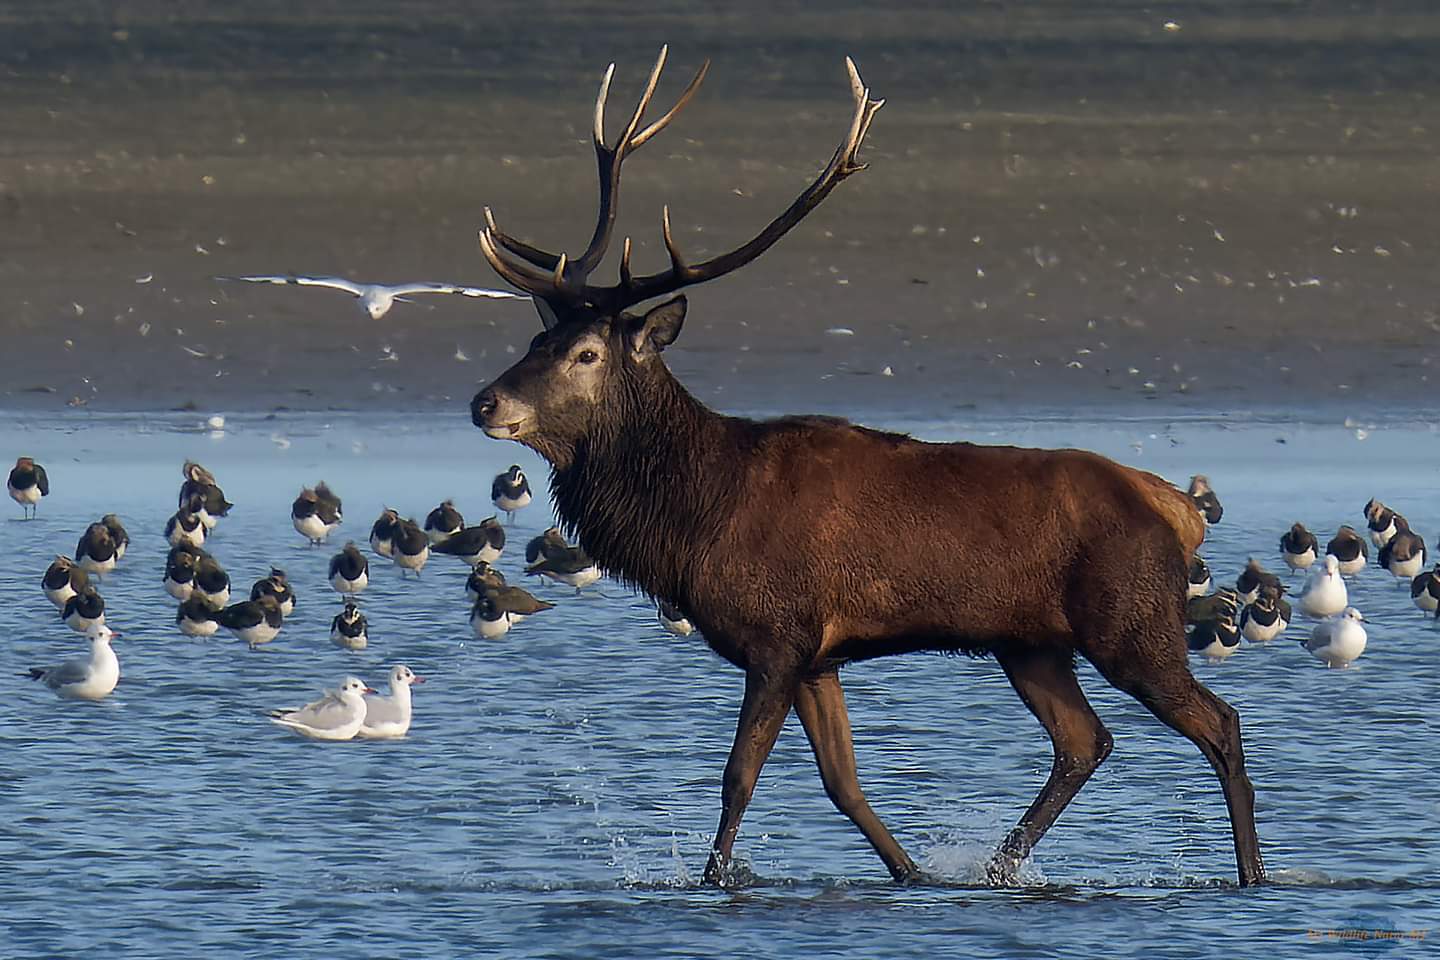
(1153, 670)
(768, 698)
(820, 704)
(1045, 681)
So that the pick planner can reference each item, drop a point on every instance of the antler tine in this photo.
(599, 132)
(627, 139)
(670, 114)
(842, 164)
(540, 258)
(625, 276)
(609, 160)
(518, 276)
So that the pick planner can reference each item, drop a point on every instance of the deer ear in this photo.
(548, 317)
(658, 328)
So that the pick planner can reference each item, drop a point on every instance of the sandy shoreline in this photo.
(1175, 225)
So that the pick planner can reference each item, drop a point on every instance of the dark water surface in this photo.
(556, 794)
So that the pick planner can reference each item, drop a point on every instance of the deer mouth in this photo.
(503, 431)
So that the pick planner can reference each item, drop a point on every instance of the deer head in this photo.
(595, 355)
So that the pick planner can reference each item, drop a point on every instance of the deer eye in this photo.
(587, 357)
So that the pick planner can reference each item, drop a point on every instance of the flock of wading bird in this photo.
(1256, 609)
(201, 585)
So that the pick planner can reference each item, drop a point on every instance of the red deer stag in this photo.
(639, 465)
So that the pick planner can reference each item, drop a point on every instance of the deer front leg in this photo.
(820, 705)
(768, 697)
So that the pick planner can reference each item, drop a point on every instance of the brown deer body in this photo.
(800, 544)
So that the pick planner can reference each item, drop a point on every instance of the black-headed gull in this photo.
(376, 299)
(510, 492)
(87, 678)
(338, 715)
(388, 718)
(27, 483)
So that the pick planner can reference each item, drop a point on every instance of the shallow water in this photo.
(557, 791)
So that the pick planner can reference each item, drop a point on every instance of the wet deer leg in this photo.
(820, 704)
(768, 697)
(1046, 683)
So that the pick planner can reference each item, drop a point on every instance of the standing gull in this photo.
(26, 484)
(1325, 592)
(376, 299)
(1338, 640)
(90, 678)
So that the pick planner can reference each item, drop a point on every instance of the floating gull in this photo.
(89, 678)
(388, 718)
(377, 298)
(336, 716)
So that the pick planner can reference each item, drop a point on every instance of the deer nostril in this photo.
(483, 406)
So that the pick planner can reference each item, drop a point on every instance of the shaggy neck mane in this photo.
(649, 490)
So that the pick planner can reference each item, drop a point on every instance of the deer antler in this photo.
(566, 281)
(561, 283)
